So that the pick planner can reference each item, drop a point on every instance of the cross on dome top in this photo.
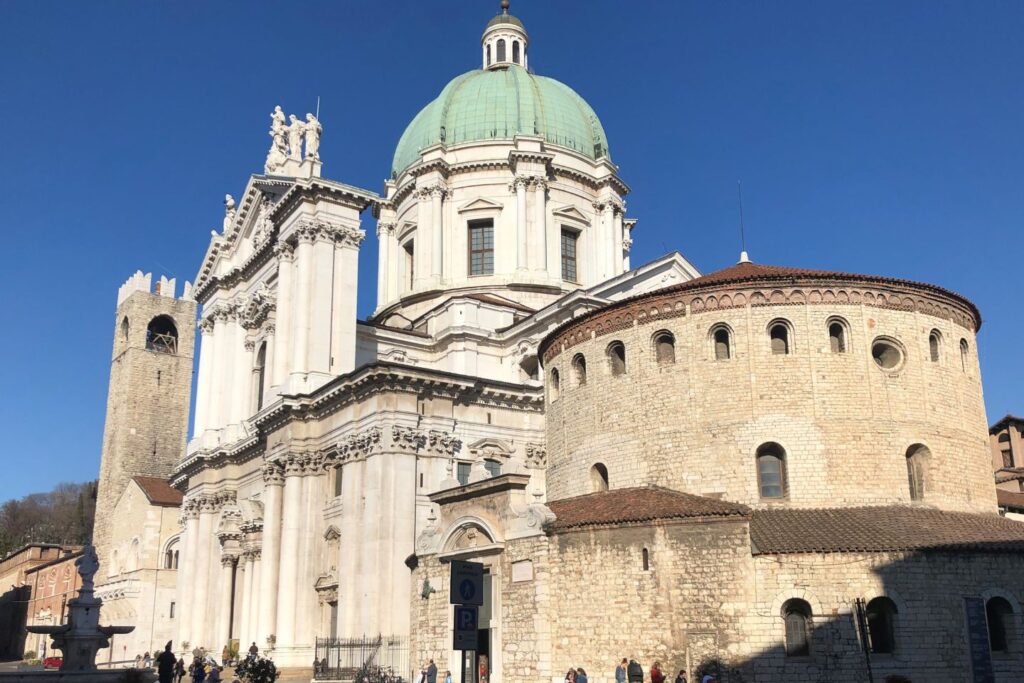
(504, 41)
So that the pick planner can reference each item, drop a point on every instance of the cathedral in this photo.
(763, 473)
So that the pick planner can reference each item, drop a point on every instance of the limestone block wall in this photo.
(845, 424)
(930, 630)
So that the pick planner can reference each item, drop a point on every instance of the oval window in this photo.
(887, 354)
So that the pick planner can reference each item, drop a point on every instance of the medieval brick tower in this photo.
(148, 398)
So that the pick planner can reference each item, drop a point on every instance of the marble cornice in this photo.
(356, 386)
(318, 188)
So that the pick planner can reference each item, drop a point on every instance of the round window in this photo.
(887, 354)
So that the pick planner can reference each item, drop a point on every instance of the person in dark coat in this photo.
(635, 672)
(198, 671)
(165, 662)
(179, 670)
(432, 672)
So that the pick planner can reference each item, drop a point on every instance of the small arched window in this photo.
(723, 350)
(796, 614)
(579, 369)
(999, 613)
(645, 558)
(488, 55)
(837, 336)
(125, 328)
(778, 334)
(934, 340)
(259, 370)
(665, 348)
(501, 49)
(599, 477)
(515, 51)
(881, 615)
(162, 335)
(917, 466)
(771, 471)
(963, 354)
(617, 358)
(554, 388)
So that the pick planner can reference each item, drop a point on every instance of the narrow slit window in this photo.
(933, 346)
(617, 358)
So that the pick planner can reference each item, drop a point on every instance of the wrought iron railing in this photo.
(379, 659)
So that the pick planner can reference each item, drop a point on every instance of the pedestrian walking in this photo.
(620, 671)
(432, 672)
(570, 676)
(147, 661)
(165, 663)
(447, 677)
(635, 672)
(253, 650)
(581, 675)
(214, 676)
(681, 678)
(656, 675)
(198, 671)
(179, 670)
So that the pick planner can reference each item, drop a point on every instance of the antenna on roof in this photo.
(743, 238)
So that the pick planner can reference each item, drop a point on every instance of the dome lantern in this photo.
(504, 41)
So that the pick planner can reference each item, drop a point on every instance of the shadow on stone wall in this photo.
(13, 616)
(931, 627)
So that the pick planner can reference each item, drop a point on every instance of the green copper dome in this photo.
(498, 104)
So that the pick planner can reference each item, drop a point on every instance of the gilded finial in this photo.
(504, 6)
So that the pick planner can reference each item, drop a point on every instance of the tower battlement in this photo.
(143, 282)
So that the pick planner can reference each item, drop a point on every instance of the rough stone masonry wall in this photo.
(928, 590)
(147, 404)
(684, 611)
(846, 425)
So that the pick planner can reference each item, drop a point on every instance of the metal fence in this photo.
(380, 659)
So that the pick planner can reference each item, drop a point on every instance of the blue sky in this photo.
(872, 137)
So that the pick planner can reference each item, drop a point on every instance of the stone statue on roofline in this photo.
(313, 132)
(296, 130)
(278, 153)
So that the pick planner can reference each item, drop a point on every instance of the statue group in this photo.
(287, 139)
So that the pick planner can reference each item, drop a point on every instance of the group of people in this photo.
(630, 671)
(428, 673)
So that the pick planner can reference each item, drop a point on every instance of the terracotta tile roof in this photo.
(1005, 422)
(1009, 474)
(880, 529)
(158, 491)
(1010, 499)
(632, 505)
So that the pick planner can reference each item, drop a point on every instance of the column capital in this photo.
(520, 181)
(385, 228)
(539, 183)
(284, 251)
(432, 190)
(273, 474)
(228, 560)
(206, 324)
(249, 345)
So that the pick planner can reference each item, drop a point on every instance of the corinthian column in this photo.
(303, 291)
(617, 246)
(437, 193)
(203, 387)
(186, 570)
(243, 611)
(283, 321)
(273, 479)
(291, 532)
(540, 228)
(519, 184)
(256, 598)
(201, 569)
(384, 259)
(220, 396)
(608, 243)
(227, 563)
